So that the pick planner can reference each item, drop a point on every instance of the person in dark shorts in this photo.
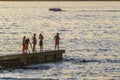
(41, 42)
(34, 41)
(57, 38)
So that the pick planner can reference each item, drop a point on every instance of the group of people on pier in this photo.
(26, 43)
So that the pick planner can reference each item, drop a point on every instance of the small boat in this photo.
(55, 9)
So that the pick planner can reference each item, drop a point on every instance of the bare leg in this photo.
(58, 46)
(33, 48)
(22, 51)
(26, 51)
(55, 47)
(42, 48)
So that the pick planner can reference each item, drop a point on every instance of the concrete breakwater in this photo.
(20, 60)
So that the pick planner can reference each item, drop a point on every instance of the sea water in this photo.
(89, 31)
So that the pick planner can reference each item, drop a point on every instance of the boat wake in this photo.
(91, 10)
(39, 66)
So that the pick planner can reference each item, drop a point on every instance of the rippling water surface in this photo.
(89, 31)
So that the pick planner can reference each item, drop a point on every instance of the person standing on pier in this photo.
(34, 40)
(23, 43)
(27, 43)
(57, 38)
(41, 42)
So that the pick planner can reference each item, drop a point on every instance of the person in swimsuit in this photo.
(24, 43)
(57, 38)
(27, 43)
(34, 41)
(41, 42)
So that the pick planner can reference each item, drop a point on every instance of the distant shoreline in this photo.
(59, 0)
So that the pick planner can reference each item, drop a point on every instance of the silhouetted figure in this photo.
(27, 43)
(23, 44)
(57, 38)
(34, 41)
(41, 42)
